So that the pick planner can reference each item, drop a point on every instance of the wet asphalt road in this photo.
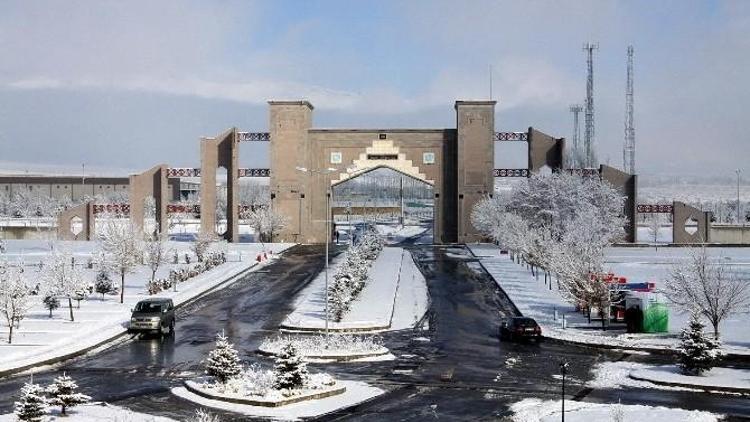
(452, 367)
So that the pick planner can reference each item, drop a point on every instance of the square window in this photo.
(428, 158)
(336, 158)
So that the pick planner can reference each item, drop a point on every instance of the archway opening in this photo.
(397, 205)
(221, 201)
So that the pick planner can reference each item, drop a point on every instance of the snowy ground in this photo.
(536, 410)
(663, 236)
(356, 392)
(654, 265)
(396, 233)
(534, 299)
(41, 338)
(719, 378)
(96, 412)
(394, 298)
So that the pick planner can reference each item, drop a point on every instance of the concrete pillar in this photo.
(681, 212)
(221, 151)
(627, 184)
(475, 124)
(85, 212)
(290, 189)
(150, 183)
(544, 150)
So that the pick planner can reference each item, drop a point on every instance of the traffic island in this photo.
(335, 347)
(321, 386)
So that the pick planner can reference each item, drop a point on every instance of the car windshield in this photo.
(148, 307)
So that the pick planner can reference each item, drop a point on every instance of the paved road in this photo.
(451, 368)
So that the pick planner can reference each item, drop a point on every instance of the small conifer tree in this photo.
(290, 369)
(33, 404)
(223, 362)
(63, 393)
(698, 353)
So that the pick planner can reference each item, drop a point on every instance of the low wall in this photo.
(730, 234)
(27, 232)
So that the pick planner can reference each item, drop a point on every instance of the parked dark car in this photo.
(153, 316)
(520, 328)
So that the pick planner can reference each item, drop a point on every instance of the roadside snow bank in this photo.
(96, 412)
(721, 379)
(536, 410)
(321, 347)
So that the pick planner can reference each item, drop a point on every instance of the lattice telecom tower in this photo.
(574, 160)
(628, 148)
(588, 136)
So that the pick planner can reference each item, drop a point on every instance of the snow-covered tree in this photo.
(265, 221)
(33, 404)
(51, 302)
(103, 283)
(654, 224)
(156, 252)
(14, 297)
(290, 369)
(202, 244)
(63, 392)
(223, 362)
(60, 278)
(708, 286)
(121, 243)
(698, 353)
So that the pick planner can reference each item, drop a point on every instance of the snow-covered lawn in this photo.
(96, 412)
(536, 410)
(737, 380)
(41, 338)
(534, 299)
(394, 298)
(356, 392)
(397, 233)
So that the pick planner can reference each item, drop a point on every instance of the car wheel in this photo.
(171, 328)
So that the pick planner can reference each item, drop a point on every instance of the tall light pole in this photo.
(739, 214)
(328, 229)
(563, 371)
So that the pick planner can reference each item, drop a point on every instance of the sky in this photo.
(126, 85)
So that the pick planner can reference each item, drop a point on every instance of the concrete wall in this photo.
(475, 124)
(151, 183)
(544, 150)
(68, 187)
(730, 234)
(221, 151)
(627, 184)
(681, 212)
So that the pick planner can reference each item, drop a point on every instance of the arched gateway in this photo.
(458, 163)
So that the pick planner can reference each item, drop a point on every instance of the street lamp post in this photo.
(739, 214)
(563, 371)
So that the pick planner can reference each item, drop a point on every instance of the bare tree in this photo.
(202, 244)
(156, 252)
(121, 242)
(708, 286)
(61, 278)
(654, 224)
(14, 297)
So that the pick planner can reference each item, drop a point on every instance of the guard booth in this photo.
(655, 310)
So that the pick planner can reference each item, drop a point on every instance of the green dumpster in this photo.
(656, 318)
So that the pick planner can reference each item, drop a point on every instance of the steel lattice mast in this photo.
(575, 152)
(588, 139)
(628, 150)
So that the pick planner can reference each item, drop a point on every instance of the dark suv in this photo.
(154, 316)
(517, 328)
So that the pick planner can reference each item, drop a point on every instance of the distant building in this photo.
(74, 188)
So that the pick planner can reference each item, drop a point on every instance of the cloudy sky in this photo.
(130, 84)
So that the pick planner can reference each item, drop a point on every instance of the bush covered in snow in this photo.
(175, 277)
(698, 353)
(351, 276)
(290, 369)
(321, 345)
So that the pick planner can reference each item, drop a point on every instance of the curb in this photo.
(704, 388)
(124, 332)
(309, 397)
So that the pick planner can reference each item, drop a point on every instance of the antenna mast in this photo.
(628, 150)
(589, 145)
(575, 152)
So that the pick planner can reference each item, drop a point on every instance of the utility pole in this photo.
(589, 139)
(575, 153)
(628, 149)
(739, 213)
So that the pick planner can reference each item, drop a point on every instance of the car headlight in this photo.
(155, 319)
(132, 319)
